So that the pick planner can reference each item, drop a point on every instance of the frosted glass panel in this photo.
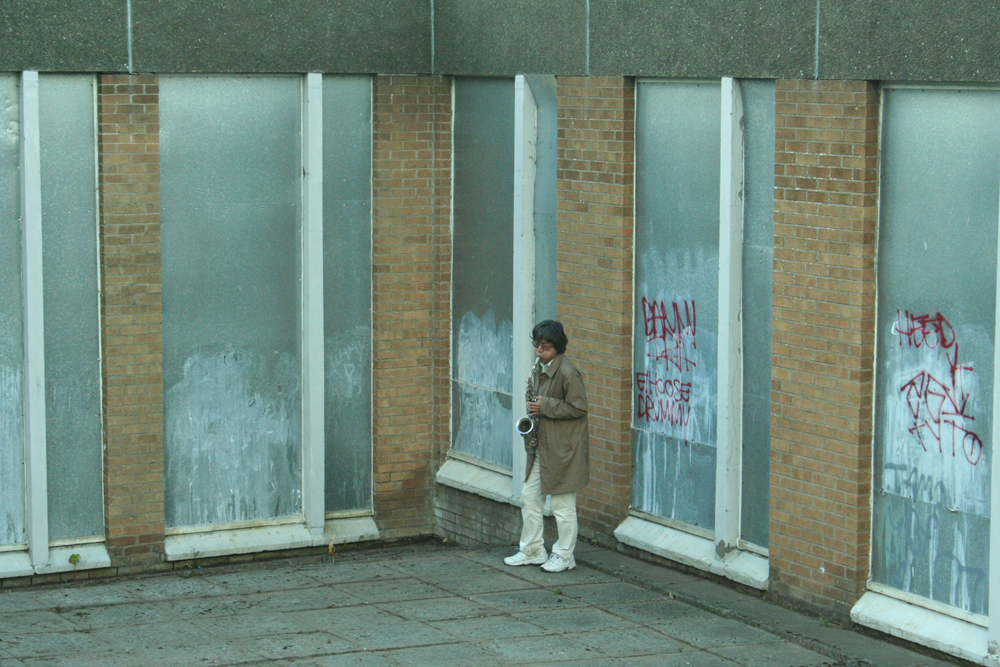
(11, 318)
(347, 268)
(758, 271)
(72, 334)
(935, 337)
(676, 301)
(483, 270)
(230, 163)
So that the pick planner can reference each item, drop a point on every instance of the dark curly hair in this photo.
(550, 331)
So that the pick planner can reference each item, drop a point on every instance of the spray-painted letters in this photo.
(938, 404)
(663, 392)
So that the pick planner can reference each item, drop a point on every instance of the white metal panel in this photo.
(525, 141)
(313, 371)
(730, 383)
(36, 506)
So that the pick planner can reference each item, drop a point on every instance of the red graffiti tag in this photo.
(662, 395)
(670, 329)
(939, 408)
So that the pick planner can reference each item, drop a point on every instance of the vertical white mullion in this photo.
(525, 142)
(36, 495)
(730, 380)
(993, 624)
(313, 366)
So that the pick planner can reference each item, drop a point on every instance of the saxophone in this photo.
(528, 425)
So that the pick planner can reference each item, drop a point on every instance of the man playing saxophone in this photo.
(558, 451)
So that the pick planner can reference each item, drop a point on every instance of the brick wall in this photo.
(411, 266)
(826, 179)
(131, 314)
(596, 128)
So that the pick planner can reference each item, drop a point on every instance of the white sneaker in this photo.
(557, 563)
(521, 558)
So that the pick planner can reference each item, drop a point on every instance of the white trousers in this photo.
(563, 509)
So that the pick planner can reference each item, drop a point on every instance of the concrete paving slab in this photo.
(488, 580)
(125, 638)
(203, 655)
(489, 627)
(13, 601)
(526, 600)
(53, 644)
(647, 573)
(630, 642)
(255, 624)
(390, 590)
(298, 645)
(423, 604)
(465, 654)
(438, 609)
(30, 622)
(259, 581)
(170, 587)
(361, 659)
(345, 617)
(589, 662)
(303, 599)
(394, 635)
(773, 655)
(705, 630)
(613, 591)
(532, 650)
(116, 592)
(651, 612)
(577, 619)
(688, 659)
(344, 571)
(708, 591)
(137, 613)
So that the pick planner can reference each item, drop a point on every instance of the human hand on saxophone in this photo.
(534, 405)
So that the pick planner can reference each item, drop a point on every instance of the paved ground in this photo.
(424, 604)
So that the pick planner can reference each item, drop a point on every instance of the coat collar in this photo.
(554, 366)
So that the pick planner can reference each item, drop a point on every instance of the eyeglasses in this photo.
(542, 345)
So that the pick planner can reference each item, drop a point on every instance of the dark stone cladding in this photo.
(505, 37)
(902, 40)
(336, 36)
(886, 40)
(707, 38)
(63, 35)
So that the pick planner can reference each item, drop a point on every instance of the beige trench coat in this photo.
(563, 432)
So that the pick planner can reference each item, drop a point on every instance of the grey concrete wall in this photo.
(893, 40)
(62, 35)
(358, 36)
(902, 40)
(703, 38)
(505, 37)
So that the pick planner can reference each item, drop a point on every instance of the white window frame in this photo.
(721, 551)
(40, 555)
(920, 620)
(468, 473)
(314, 527)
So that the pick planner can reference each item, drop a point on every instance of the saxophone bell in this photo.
(525, 426)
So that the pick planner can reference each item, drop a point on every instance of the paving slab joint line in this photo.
(809, 643)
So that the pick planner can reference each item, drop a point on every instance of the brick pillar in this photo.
(411, 194)
(596, 128)
(826, 196)
(131, 314)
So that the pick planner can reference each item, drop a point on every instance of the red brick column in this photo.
(131, 315)
(826, 181)
(596, 128)
(411, 302)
